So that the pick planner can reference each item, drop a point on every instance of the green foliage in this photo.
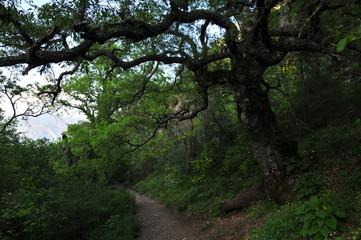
(200, 162)
(179, 192)
(315, 219)
(309, 185)
(332, 141)
(202, 165)
(117, 227)
(43, 200)
(280, 225)
(345, 36)
(319, 218)
(237, 156)
(70, 209)
(294, 166)
(261, 208)
(341, 44)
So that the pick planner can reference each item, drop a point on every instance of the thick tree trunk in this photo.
(269, 146)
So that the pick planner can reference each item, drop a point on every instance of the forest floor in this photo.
(157, 222)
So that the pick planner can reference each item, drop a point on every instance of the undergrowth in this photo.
(182, 194)
(326, 204)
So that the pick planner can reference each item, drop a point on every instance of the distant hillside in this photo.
(46, 126)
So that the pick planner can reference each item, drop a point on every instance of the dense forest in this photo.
(208, 106)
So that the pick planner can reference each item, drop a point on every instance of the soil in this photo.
(157, 222)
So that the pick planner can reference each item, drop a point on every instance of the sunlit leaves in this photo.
(58, 13)
(341, 44)
(352, 36)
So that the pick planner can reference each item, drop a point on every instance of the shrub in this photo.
(309, 185)
(294, 166)
(318, 218)
(41, 203)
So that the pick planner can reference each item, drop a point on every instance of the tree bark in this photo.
(269, 146)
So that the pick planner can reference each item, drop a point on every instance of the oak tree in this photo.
(221, 42)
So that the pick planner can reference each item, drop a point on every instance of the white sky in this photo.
(43, 126)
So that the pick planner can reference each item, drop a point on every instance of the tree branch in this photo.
(57, 91)
(187, 39)
(6, 16)
(29, 112)
(136, 30)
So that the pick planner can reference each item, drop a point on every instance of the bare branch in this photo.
(203, 36)
(58, 83)
(28, 112)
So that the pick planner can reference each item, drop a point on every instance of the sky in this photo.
(48, 126)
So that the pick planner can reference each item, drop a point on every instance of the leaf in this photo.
(290, 168)
(313, 230)
(325, 231)
(314, 200)
(309, 216)
(342, 44)
(300, 210)
(313, 203)
(340, 214)
(331, 222)
(321, 214)
(320, 222)
(304, 232)
(338, 35)
(307, 191)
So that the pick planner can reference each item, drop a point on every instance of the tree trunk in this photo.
(270, 147)
(244, 199)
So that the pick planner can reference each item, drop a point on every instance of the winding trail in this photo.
(157, 222)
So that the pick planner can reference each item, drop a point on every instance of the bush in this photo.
(42, 203)
(309, 185)
(182, 194)
(319, 218)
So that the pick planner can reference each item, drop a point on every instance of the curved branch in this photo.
(203, 36)
(187, 39)
(204, 80)
(162, 57)
(136, 30)
(289, 44)
(58, 83)
(142, 88)
(29, 112)
(44, 57)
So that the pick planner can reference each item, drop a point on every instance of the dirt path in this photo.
(158, 223)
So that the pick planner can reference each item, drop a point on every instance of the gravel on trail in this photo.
(157, 222)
